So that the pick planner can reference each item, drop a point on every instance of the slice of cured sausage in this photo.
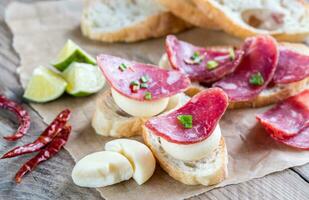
(141, 81)
(200, 64)
(292, 66)
(202, 113)
(254, 72)
(288, 121)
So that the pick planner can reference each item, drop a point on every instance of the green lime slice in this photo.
(83, 79)
(45, 85)
(71, 52)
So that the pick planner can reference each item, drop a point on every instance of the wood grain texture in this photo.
(52, 179)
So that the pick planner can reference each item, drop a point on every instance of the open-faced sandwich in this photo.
(187, 141)
(258, 73)
(138, 91)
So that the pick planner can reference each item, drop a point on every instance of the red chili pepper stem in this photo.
(22, 115)
(49, 151)
(45, 138)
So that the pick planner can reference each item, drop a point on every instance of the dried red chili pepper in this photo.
(49, 151)
(22, 115)
(46, 137)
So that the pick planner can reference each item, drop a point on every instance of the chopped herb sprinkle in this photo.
(212, 64)
(232, 54)
(144, 85)
(256, 79)
(134, 83)
(144, 79)
(185, 120)
(196, 58)
(122, 67)
(148, 96)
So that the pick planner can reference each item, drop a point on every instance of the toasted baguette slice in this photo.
(207, 171)
(128, 20)
(110, 120)
(284, 19)
(267, 96)
(188, 11)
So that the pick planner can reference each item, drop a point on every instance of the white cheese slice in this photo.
(196, 151)
(139, 108)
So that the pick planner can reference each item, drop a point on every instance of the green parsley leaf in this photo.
(144, 85)
(122, 67)
(212, 64)
(232, 54)
(185, 120)
(144, 79)
(134, 83)
(256, 79)
(148, 96)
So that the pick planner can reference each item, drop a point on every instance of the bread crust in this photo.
(231, 26)
(110, 120)
(154, 26)
(185, 177)
(187, 10)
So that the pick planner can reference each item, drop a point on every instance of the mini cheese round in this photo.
(139, 155)
(102, 169)
(139, 108)
(195, 151)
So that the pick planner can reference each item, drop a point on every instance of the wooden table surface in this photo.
(52, 179)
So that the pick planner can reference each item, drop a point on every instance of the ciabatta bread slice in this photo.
(128, 20)
(188, 11)
(267, 96)
(110, 120)
(285, 20)
(210, 170)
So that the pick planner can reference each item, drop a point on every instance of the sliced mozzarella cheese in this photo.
(138, 154)
(101, 169)
(139, 108)
(191, 152)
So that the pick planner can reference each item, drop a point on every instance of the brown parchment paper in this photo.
(41, 29)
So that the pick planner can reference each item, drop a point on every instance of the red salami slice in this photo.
(300, 141)
(141, 81)
(254, 72)
(288, 118)
(206, 108)
(200, 64)
(292, 66)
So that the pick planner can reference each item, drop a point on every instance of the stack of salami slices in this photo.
(288, 121)
(259, 73)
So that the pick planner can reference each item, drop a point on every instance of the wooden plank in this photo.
(281, 185)
(52, 179)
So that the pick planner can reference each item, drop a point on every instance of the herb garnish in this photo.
(144, 85)
(122, 67)
(256, 79)
(135, 86)
(212, 64)
(196, 58)
(185, 120)
(144, 79)
(232, 54)
(148, 96)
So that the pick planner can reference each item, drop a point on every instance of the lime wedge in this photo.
(83, 79)
(71, 52)
(45, 85)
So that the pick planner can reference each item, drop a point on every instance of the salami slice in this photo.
(292, 66)
(200, 64)
(141, 81)
(299, 141)
(205, 110)
(254, 72)
(288, 122)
